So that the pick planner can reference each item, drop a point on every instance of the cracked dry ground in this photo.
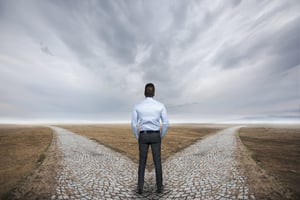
(204, 170)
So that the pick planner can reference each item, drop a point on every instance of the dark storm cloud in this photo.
(282, 43)
(46, 49)
(286, 44)
(82, 26)
(206, 58)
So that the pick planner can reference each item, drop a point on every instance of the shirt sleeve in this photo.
(134, 123)
(165, 122)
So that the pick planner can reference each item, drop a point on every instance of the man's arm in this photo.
(134, 123)
(165, 122)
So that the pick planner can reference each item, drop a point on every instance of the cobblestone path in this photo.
(205, 170)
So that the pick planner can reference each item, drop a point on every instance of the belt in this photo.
(149, 131)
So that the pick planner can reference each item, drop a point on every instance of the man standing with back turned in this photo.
(146, 118)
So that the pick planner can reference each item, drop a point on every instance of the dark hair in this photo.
(149, 90)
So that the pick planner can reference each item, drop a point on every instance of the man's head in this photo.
(149, 90)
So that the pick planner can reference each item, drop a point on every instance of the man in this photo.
(146, 118)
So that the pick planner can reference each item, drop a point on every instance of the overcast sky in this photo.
(89, 60)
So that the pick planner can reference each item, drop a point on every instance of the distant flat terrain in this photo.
(22, 149)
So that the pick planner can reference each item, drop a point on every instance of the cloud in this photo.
(206, 58)
(45, 49)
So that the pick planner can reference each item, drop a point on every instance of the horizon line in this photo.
(271, 121)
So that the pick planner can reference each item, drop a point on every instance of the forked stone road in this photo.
(205, 170)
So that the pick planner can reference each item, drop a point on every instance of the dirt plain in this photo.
(276, 153)
(23, 149)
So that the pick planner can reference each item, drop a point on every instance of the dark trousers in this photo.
(153, 139)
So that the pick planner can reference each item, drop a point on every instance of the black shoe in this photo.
(140, 191)
(159, 190)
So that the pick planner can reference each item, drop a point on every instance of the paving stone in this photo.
(205, 170)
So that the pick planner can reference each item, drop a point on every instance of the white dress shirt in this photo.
(147, 115)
